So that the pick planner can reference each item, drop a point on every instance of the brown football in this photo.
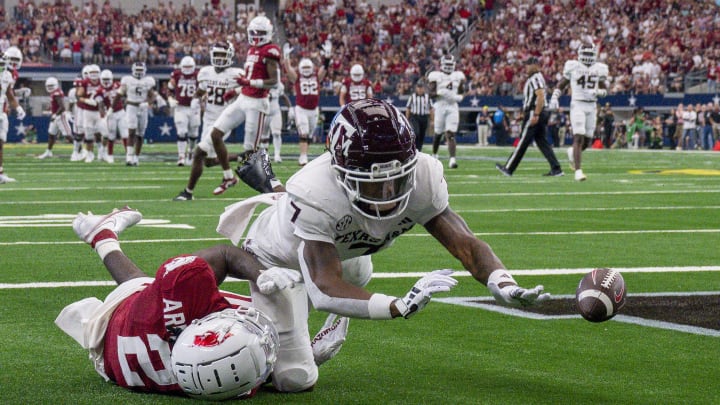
(600, 294)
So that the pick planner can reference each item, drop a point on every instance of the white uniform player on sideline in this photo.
(10, 62)
(446, 88)
(186, 108)
(588, 81)
(213, 83)
(138, 90)
(274, 122)
(345, 205)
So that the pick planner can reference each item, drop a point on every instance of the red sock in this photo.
(110, 147)
(103, 235)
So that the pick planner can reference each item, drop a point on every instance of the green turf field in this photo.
(639, 210)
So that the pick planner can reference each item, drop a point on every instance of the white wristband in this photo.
(258, 83)
(556, 93)
(379, 306)
(500, 276)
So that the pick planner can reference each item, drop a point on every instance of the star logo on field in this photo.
(716, 99)
(632, 100)
(20, 129)
(474, 101)
(389, 100)
(165, 129)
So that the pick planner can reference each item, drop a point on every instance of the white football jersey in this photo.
(136, 90)
(6, 82)
(315, 207)
(584, 80)
(447, 85)
(275, 93)
(215, 84)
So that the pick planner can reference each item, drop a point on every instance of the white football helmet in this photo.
(260, 31)
(14, 57)
(187, 65)
(587, 53)
(51, 84)
(221, 54)
(93, 73)
(357, 73)
(447, 64)
(306, 67)
(106, 78)
(225, 354)
(84, 71)
(139, 69)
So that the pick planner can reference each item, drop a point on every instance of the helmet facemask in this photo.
(587, 54)
(381, 193)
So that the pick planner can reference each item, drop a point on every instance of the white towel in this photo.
(237, 216)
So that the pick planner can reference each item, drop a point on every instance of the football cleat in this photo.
(89, 157)
(45, 155)
(554, 173)
(5, 179)
(183, 196)
(452, 163)
(329, 340)
(303, 160)
(109, 159)
(579, 175)
(181, 161)
(226, 184)
(87, 226)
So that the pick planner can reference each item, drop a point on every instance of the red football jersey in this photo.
(255, 67)
(138, 340)
(307, 91)
(54, 105)
(185, 86)
(109, 94)
(92, 91)
(356, 90)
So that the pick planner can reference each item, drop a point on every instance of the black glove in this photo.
(256, 171)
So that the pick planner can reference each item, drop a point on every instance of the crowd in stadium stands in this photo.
(649, 45)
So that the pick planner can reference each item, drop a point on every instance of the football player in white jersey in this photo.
(8, 75)
(350, 202)
(213, 83)
(137, 90)
(446, 88)
(588, 81)
(274, 122)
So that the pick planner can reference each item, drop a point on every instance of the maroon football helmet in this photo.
(373, 152)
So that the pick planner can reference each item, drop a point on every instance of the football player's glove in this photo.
(419, 295)
(600, 92)
(276, 279)
(20, 113)
(329, 340)
(507, 292)
(256, 172)
(554, 103)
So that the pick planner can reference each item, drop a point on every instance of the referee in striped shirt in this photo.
(417, 111)
(535, 120)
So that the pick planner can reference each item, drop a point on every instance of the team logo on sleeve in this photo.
(343, 223)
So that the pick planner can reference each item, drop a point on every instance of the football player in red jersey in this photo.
(262, 72)
(307, 100)
(89, 93)
(115, 119)
(356, 87)
(136, 336)
(184, 84)
(59, 122)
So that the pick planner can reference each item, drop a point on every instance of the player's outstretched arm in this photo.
(478, 258)
(228, 260)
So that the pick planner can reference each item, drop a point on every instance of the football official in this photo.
(535, 120)
(417, 112)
